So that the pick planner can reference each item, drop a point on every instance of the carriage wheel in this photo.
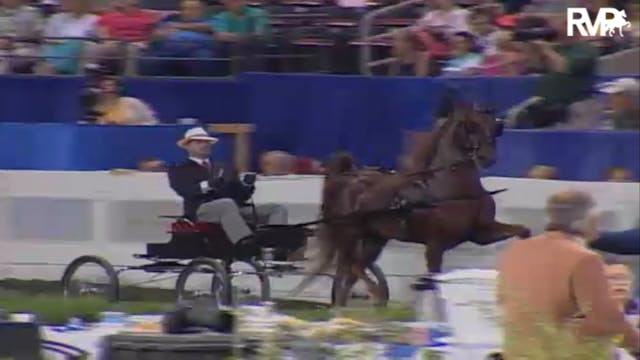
(359, 290)
(243, 290)
(91, 276)
(218, 288)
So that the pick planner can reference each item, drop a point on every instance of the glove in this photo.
(216, 183)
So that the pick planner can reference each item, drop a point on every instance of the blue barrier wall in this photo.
(56, 99)
(69, 147)
(308, 115)
(577, 155)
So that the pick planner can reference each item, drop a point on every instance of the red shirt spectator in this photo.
(127, 23)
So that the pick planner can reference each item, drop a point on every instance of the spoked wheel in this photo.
(250, 283)
(91, 276)
(359, 293)
(204, 278)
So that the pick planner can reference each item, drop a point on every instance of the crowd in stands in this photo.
(448, 37)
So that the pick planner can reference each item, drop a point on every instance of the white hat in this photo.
(622, 85)
(196, 133)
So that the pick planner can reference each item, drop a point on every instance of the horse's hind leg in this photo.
(342, 279)
(496, 232)
(376, 292)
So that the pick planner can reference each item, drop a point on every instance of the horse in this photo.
(370, 207)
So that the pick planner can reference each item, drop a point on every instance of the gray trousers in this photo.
(233, 219)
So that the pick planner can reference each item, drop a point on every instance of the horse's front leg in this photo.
(496, 231)
(434, 255)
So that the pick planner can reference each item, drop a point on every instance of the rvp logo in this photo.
(607, 21)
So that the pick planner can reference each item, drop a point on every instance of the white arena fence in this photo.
(49, 218)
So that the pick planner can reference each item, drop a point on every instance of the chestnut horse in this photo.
(442, 168)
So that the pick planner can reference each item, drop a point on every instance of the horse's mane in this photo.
(423, 146)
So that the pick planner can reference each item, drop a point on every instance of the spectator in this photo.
(20, 26)
(620, 285)
(445, 16)
(568, 289)
(562, 94)
(283, 163)
(463, 57)
(507, 60)
(114, 109)
(543, 172)
(123, 23)
(245, 28)
(152, 165)
(405, 56)
(276, 163)
(74, 24)
(486, 34)
(432, 33)
(619, 174)
(185, 35)
(623, 98)
(240, 21)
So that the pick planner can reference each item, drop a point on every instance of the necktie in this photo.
(207, 165)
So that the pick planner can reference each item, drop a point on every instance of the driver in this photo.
(214, 193)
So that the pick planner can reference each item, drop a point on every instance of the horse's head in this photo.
(470, 133)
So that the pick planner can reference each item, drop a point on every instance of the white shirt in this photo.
(450, 21)
(204, 185)
(68, 25)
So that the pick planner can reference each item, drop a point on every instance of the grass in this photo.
(44, 298)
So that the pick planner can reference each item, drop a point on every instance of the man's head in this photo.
(619, 174)
(276, 163)
(191, 9)
(197, 142)
(234, 6)
(542, 172)
(570, 211)
(622, 95)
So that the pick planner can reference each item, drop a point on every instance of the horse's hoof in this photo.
(377, 295)
(424, 283)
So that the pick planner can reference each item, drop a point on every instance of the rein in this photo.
(407, 207)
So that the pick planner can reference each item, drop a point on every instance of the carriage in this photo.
(199, 249)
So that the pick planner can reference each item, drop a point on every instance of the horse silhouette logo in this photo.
(606, 22)
(618, 22)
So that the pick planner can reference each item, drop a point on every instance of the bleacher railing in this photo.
(132, 54)
(368, 40)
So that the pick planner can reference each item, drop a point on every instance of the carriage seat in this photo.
(190, 240)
